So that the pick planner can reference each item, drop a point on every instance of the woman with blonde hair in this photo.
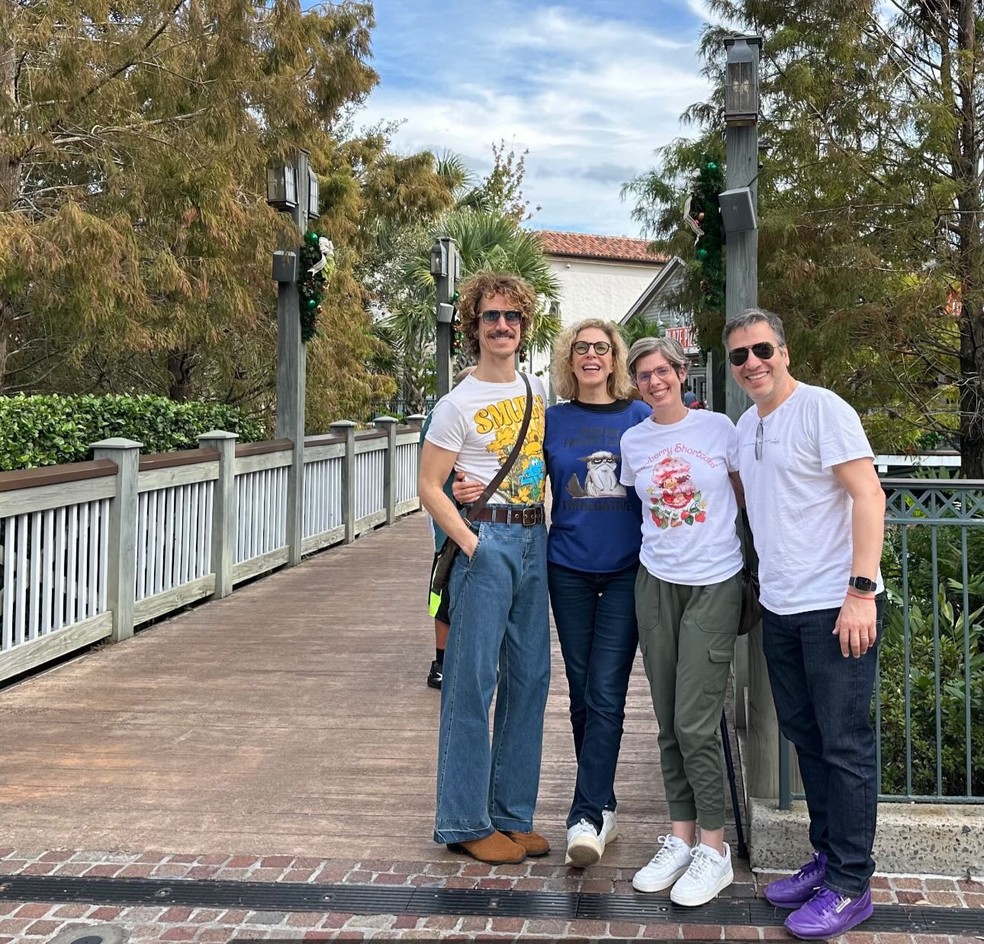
(592, 561)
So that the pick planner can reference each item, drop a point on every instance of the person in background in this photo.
(817, 514)
(499, 641)
(683, 465)
(438, 603)
(592, 560)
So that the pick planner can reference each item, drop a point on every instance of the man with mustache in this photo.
(499, 640)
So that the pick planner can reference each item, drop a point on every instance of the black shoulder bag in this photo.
(751, 609)
(449, 550)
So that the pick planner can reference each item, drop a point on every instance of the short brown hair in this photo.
(484, 285)
(564, 384)
(670, 348)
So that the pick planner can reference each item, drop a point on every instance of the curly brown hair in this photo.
(484, 285)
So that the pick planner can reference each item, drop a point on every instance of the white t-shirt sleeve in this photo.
(841, 437)
(732, 448)
(448, 427)
(627, 474)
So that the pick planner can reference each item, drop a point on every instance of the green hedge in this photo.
(50, 430)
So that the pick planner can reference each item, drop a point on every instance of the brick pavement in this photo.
(40, 921)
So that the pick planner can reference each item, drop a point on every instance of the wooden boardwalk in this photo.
(290, 718)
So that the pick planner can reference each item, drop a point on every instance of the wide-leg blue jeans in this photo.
(499, 644)
(596, 625)
(823, 703)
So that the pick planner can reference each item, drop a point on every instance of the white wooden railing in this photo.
(92, 550)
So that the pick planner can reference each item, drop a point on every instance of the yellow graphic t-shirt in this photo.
(480, 421)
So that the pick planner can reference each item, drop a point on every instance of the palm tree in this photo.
(486, 239)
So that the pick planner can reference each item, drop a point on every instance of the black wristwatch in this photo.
(863, 584)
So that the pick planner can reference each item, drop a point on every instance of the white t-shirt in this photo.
(799, 512)
(480, 421)
(681, 473)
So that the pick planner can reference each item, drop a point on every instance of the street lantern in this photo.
(282, 187)
(314, 187)
(741, 91)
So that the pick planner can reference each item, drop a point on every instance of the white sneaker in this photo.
(584, 845)
(709, 872)
(609, 827)
(672, 860)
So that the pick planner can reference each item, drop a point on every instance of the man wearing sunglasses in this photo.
(499, 641)
(817, 513)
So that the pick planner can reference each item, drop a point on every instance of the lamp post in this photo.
(293, 189)
(738, 216)
(738, 202)
(445, 266)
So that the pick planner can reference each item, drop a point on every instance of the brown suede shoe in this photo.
(533, 843)
(495, 849)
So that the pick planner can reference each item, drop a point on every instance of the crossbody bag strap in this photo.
(490, 489)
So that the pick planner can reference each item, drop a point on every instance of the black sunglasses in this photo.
(492, 315)
(763, 351)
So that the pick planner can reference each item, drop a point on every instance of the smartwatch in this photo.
(863, 584)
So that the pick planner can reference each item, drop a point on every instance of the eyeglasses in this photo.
(582, 347)
(763, 351)
(759, 437)
(661, 373)
(492, 315)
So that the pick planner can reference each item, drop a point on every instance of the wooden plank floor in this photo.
(291, 717)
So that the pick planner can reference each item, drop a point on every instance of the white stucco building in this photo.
(609, 277)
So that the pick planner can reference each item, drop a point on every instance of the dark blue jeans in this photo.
(823, 702)
(596, 624)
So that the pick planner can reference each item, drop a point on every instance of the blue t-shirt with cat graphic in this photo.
(594, 520)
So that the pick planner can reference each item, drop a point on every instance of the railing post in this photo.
(122, 576)
(390, 473)
(223, 509)
(417, 422)
(346, 428)
(763, 727)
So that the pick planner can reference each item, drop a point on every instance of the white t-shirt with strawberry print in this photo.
(681, 473)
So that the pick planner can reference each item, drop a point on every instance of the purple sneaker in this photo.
(829, 914)
(799, 887)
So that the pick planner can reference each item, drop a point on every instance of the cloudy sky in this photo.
(589, 87)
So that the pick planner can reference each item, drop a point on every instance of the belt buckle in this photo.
(528, 517)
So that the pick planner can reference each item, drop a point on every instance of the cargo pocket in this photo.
(718, 669)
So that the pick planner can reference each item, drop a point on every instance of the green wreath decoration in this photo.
(317, 258)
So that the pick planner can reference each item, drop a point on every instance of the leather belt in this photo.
(526, 515)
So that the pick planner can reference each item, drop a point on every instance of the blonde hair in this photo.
(484, 285)
(561, 374)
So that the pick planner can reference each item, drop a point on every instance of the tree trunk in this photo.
(180, 365)
(970, 253)
(9, 165)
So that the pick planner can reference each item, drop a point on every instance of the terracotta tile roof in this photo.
(621, 248)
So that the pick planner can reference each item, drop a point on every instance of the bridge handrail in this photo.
(92, 550)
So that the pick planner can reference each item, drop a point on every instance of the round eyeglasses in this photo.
(582, 347)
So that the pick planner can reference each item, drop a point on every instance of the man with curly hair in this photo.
(499, 641)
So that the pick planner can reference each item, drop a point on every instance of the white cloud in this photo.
(582, 85)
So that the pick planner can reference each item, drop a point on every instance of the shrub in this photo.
(51, 429)
(954, 641)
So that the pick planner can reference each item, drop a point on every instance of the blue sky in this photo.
(589, 87)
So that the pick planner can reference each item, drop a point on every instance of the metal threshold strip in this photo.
(377, 899)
